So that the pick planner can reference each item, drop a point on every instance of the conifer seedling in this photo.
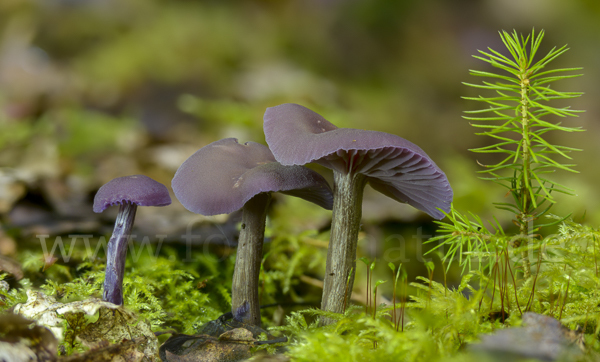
(520, 108)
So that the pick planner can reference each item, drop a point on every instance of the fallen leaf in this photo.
(22, 340)
(11, 266)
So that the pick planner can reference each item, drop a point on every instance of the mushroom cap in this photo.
(394, 166)
(138, 189)
(222, 176)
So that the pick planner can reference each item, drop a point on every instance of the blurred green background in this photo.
(95, 89)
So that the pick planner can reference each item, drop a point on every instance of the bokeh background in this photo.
(96, 89)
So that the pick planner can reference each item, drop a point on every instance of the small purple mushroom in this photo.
(390, 164)
(129, 192)
(226, 176)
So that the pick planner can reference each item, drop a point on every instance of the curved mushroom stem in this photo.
(117, 252)
(341, 253)
(244, 291)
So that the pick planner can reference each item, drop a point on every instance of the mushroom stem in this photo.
(341, 253)
(245, 305)
(117, 252)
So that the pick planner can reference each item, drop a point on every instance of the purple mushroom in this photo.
(226, 176)
(129, 192)
(390, 164)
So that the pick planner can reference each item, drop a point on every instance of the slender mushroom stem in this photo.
(117, 252)
(341, 254)
(244, 291)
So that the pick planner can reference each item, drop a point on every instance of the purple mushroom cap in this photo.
(394, 166)
(138, 189)
(222, 176)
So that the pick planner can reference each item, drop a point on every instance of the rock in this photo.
(115, 325)
(233, 345)
(542, 337)
(222, 340)
(122, 352)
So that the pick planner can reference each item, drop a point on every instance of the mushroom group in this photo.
(226, 176)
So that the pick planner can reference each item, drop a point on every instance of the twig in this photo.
(394, 315)
(501, 289)
(565, 300)
(494, 287)
(346, 290)
(368, 289)
(404, 302)
(532, 297)
(357, 295)
(595, 260)
(515, 286)
(484, 289)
